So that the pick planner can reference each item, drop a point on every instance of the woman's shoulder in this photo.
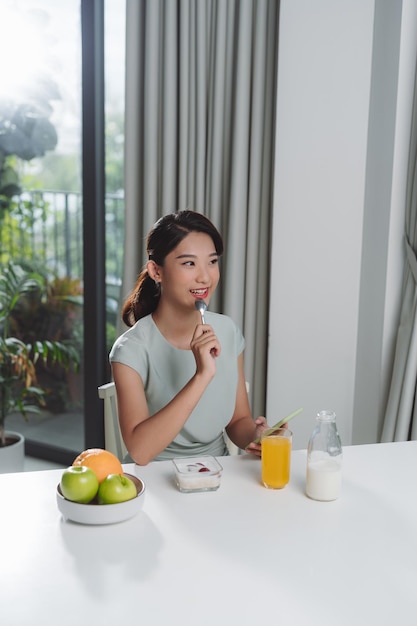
(220, 319)
(138, 333)
(226, 329)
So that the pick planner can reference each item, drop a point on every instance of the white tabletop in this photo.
(240, 555)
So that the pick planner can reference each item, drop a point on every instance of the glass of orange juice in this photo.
(276, 458)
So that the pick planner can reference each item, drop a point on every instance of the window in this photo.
(41, 221)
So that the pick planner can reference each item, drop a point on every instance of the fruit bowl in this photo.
(95, 513)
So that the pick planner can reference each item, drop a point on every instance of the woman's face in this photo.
(190, 271)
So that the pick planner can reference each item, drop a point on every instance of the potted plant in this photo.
(54, 313)
(20, 390)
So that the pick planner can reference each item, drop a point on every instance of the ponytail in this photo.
(142, 300)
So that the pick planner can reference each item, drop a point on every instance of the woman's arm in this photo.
(243, 429)
(145, 435)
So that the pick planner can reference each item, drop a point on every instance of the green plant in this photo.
(20, 390)
(54, 313)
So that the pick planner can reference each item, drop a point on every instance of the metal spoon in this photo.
(201, 306)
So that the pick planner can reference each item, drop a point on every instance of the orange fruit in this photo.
(102, 462)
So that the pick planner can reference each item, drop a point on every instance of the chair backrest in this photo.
(232, 447)
(113, 440)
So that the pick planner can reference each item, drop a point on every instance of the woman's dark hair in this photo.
(164, 237)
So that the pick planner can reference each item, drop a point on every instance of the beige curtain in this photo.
(400, 422)
(200, 127)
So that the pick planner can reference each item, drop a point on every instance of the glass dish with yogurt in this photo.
(195, 474)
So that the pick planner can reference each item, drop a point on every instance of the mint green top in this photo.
(165, 370)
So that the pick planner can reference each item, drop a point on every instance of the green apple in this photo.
(116, 488)
(79, 484)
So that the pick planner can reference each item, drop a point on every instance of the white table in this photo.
(240, 555)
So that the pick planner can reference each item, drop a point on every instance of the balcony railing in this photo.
(46, 227)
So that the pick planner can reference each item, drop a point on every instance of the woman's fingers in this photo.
(205, 347)
(202, 329)
(205, 338)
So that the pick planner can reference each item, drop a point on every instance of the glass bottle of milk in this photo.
(324, 459)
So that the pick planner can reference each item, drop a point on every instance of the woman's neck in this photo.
(176, 326)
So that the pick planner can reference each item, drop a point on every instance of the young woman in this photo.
(179, 382)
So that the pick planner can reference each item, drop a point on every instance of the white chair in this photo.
(113, 439)
(232, 448)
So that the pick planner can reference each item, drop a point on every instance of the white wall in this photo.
(330, 259)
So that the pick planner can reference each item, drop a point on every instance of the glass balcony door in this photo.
(43, 187)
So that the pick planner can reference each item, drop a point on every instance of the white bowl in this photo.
(102, 513)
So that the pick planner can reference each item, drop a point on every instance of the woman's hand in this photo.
(205, 347)
(261, 425)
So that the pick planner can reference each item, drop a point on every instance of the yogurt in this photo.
(197, 474)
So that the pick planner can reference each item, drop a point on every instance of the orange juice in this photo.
(276, 458)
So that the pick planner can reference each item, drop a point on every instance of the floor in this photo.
(65, 430)
(34, 465)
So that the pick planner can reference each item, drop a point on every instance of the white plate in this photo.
(102, 513)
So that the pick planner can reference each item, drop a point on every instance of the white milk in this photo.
(324, 479)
